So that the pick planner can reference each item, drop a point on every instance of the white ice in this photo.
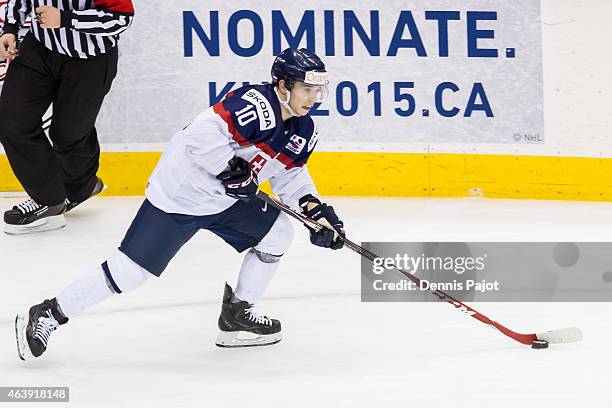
(155, 347)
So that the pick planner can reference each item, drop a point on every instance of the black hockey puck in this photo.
(539, 344)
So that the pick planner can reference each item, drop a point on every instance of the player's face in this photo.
(304, 96)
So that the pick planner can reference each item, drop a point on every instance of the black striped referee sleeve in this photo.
(109, 18)
(16, 14)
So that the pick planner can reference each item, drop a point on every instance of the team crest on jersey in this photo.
(296, 144)
(258, 162)
(313, 140)
(267, 120)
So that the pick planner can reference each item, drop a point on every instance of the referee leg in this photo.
(82, 88)
(28, 89)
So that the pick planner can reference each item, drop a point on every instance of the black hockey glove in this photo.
(323, 214)
(239, 179)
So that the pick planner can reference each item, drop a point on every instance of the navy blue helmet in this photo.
(302, 65)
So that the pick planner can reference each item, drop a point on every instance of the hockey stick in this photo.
(567, 335)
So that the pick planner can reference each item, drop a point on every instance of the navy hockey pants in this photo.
(155, 236)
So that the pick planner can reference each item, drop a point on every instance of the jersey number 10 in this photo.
(246, 115)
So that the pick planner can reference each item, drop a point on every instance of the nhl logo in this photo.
(296, 144)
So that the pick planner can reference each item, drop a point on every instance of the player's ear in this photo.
(282, 87)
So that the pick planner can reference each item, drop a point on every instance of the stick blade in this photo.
(568, 335)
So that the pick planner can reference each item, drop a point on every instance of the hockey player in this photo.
(207, 179)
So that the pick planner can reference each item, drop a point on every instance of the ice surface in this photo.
(155, 347)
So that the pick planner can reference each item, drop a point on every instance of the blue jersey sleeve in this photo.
(249, 115)
(240, 117)
(302, 144)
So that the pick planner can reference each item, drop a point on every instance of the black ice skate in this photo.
(34, 329)
(97, 190)
(242, 326)
(29, 217)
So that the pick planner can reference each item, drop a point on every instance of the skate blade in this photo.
(46, 224)
(246, 339)
(23, 350)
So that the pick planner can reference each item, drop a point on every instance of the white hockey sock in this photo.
(91, 288)
(254, 278)
(119, 274)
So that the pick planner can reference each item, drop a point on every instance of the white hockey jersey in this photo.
(247, 124)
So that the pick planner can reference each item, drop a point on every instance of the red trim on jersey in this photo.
(267, 149)
(283, 158)
(292, 165)
(286, 160)
(243, 141)
(227, 118)
(120, 6)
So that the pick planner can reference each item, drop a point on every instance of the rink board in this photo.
(403, 175)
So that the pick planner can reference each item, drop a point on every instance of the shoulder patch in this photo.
(267, 120)
(296, 144)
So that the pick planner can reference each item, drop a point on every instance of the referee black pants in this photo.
(37, 77)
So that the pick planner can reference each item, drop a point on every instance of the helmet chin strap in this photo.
(286, 103)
